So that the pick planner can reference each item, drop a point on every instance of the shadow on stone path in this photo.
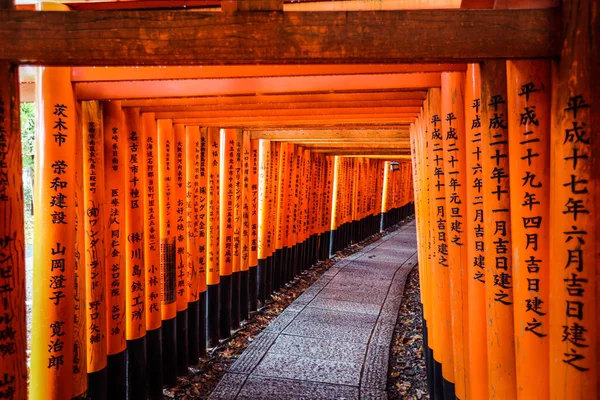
(332, 342)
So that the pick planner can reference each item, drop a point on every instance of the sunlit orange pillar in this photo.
(192, 175)
(201, 242)
(52, 340)
(181, 257)
(135, 275)
(245, 225)
(455, 173)
(213, 168)
(166, 217)
(529, 89)
(281, 237)
(151, 204)
(273, 268)
(114, 244)
(13, 364)
(497, 226)
(264, 147)
(291, 203)
(254, 221)
(236, 251)
(477, 304)
(574, 214)
(227, 195)
(93, 255)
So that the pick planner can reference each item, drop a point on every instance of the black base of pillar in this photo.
(252, 288)
(438, 387)
(235, 300)
(212, 315)
(269, 284)
(225, 307)
(116, 376)
(136, 369)
(278, 282)
(202, 325)
(182, 343)
(97, 385)
(244, 295)
(261, 277)
(154, 363)
(193, 332)
(169, 351)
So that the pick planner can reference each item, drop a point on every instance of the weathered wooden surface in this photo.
(184, 38)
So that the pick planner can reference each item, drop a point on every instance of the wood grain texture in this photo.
(186, 38)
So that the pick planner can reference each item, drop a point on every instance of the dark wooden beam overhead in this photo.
(186, 38)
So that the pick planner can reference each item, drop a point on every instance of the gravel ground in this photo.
(407, 377)
(204, 377)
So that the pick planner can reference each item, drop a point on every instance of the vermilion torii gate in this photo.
(503, 144)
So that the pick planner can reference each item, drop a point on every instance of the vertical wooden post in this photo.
(478, 370)
(213, 235)
(54, 232)
(202, 243)
(94, 261)
(574, 215)
(245, 225)
(135, 280)
(13, 364)
(455, 173)
(498, 242)
(291, 203)
(254, 221)
(227, 182)
(237, 238)
(335, 205)
(192, 175)
(272, 266)
(167, 208)
(328, 204)
(114, 239)
(151, 204)
(263, 216)
(529, 89)
(282, 220)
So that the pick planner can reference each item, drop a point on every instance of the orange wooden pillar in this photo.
(279, 277)
(181, 258)
(212, 236)
(263, 216)
(282, 217)
(236, 251)
(13, 364)
(152, 201)
(201, 240)
(254, 221)
(455, 173)
(476, 291)
(272, 266)
(327, 206)
(497, 226)
(52, 372)
(94, 261)
(202, 243)
(529, 85)
(114, 244)
(192, 176)
(166, 216)
(336, 204)
(227, 193)
(135, 274)
(291, 203)
(245, 225)
(574, 332)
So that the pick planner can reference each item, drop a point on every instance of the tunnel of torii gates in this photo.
(171, 199)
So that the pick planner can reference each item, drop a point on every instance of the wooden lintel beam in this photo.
(398, 145)
(333, 113)
(302, 124)
(364, 153)
(298, 98)
(290, 135)
(122, 38)
(264, 122)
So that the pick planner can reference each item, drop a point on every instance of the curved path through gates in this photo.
(332, 342)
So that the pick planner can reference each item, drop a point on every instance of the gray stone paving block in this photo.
(350, 306)
(283, 320)
(319, 348)
(308, 295)
(371, 297)
(228, 387)
(355, 280)
(309, 369)
(262, 388)
(295, 307)
(376, 367)
(331, 271)
(334, 325)
(254, 353)
(373, 394)
(383, 333)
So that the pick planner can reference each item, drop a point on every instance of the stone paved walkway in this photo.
(332, 342)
